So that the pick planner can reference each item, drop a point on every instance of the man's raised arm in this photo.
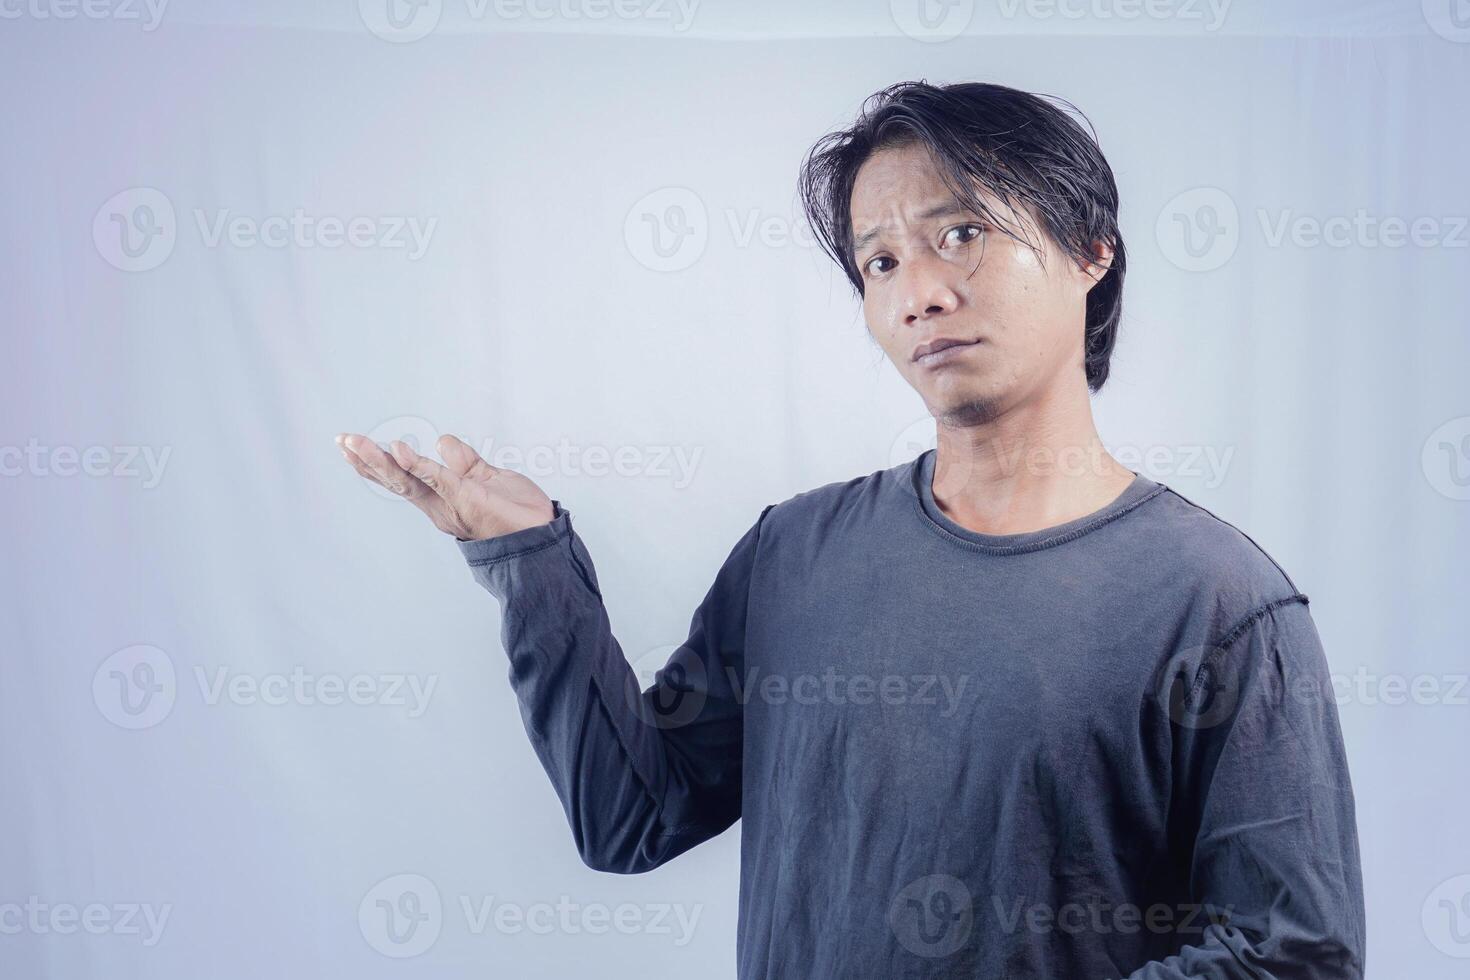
(642, 775)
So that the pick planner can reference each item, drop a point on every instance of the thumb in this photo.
(460, 458)
(437, 478)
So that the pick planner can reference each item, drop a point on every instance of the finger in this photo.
(426, 500)
(386, 470)
(463, 460)
(436, 477)
(367, 473)
(361, 468)
(354, 460)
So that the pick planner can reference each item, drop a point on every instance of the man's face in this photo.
(920, 254)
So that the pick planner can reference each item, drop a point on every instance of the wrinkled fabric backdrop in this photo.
(254, 715)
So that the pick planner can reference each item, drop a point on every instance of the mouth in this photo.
(940, 350)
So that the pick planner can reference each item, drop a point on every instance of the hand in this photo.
(465, 496)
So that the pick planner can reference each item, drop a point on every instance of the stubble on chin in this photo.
(969, 412)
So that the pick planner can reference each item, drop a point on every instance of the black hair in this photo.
(1022, 148)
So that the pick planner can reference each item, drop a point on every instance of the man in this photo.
(1008, 710)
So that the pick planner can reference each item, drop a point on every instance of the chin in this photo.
(964, 406)
(964, 413)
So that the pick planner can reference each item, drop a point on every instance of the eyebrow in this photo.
(937, 211)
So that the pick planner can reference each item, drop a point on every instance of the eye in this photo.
(872, 266)
(962, 234)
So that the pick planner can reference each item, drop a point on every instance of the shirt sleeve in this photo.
(1263, 796)
(642, 775)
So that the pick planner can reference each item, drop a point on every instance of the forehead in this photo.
(896, 177)
(904, 185)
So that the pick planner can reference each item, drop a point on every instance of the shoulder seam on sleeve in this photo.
(1235, 632)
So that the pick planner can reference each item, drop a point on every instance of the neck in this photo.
(1033, 466)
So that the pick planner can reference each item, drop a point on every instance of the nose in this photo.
(927, 291)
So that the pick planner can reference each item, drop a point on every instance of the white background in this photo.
(1312, 393)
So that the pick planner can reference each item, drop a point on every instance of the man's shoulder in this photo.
(1193, 547)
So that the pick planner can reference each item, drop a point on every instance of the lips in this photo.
(940, 344)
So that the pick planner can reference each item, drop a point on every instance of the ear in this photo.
(1100, 263)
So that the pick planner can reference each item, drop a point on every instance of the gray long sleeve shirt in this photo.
(1105, 749)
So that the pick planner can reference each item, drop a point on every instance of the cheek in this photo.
(1015, 284)
(1024, 259)
(1018, 301)
(880, 310)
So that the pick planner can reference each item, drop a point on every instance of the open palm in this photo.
(464, 496)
